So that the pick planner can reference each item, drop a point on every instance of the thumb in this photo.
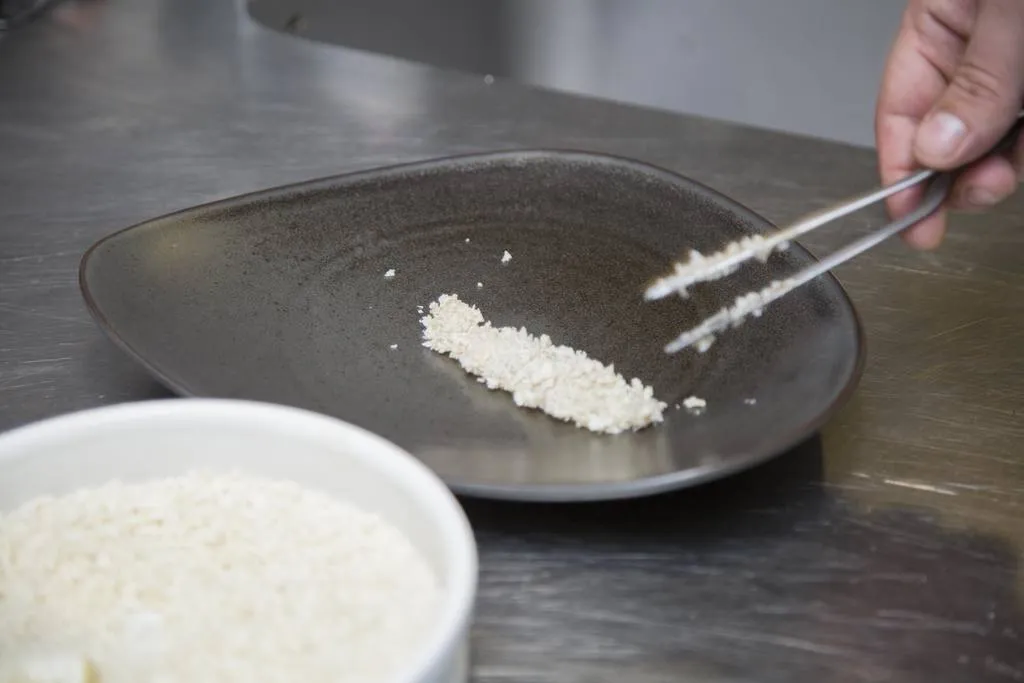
(985, 94)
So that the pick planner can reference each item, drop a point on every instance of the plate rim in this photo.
(533, 493)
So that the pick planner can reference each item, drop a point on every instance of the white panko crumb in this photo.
(390, 273)
(751, 303)
(206, 578)
(750, 401)
(562, 382)
(393, 347)
(706, 267)
(479, 285)
(467, 240)
(506, 257)
(47, 667)
(695, 404)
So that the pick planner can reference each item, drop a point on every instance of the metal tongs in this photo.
(705, 268)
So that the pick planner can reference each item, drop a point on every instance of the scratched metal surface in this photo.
(887, 550)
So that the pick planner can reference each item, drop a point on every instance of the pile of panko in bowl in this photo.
(213, 541)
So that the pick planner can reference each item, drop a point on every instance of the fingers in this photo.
(895, 136)
(985, 94)
(927, 234)
(911, 85)
(953, 85)
(984, 184)
(981, 186)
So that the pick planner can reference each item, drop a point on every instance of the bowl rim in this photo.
(443, 645)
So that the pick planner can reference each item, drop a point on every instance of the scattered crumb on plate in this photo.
(467, 240)
(695, 404)
(750, 401)
(390, 273)
(561, 381)
(393, 347)
(705, 343)
(506, 257)
(479, 285)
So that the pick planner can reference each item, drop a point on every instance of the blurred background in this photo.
(803, 66)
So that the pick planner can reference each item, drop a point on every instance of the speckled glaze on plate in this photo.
(281, 296)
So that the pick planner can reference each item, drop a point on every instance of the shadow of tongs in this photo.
(704, 268)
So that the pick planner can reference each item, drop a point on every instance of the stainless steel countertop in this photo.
(887, 550)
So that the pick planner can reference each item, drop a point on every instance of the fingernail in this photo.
(979, 197)
(940, 136)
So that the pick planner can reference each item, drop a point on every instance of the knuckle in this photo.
(981, 85)
(955, 17)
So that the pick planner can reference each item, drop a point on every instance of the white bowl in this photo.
(153, 439)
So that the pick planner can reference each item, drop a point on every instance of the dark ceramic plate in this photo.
(280, 296)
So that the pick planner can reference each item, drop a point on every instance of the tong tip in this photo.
(659, 290)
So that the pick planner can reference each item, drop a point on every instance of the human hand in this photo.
(953, 85)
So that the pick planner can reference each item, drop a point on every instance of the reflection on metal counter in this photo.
(890, 549)
(15, 12)
(766, 64)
